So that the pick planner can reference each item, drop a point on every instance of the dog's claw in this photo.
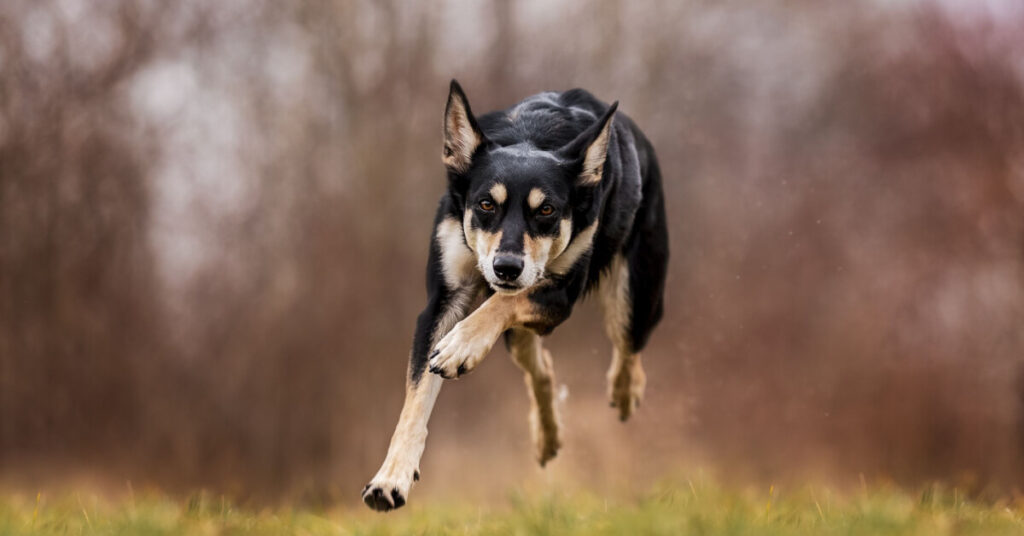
(461, 370)
(377, 500)
(415, 476)
(439, 372)
(397, 498)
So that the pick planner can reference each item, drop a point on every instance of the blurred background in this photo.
(214, 219)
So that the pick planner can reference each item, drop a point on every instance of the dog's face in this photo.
(519, 201)
(517, 215)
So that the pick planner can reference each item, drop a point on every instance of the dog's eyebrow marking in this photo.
(499, 193)
(535, 198)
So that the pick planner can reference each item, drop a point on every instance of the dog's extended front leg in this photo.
(390, 487)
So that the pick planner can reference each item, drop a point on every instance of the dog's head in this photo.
(520, 203)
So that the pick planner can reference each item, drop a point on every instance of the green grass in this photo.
(671, 509)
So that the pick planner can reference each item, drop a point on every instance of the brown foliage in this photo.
(214, 219)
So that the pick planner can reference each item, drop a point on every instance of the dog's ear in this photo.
(591, 148)
(462, 134)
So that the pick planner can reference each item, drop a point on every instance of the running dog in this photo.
(554, 197)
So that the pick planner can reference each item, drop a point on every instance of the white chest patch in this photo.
(457, 262)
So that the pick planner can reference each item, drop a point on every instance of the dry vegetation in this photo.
(214, 215)
(689, 508)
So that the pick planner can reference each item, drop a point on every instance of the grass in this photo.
(670, 509)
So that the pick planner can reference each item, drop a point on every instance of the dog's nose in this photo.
(508, 267)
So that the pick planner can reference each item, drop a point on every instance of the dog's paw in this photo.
(626, 389)
(544, 426)
(385, 493)
(546, 447)
(461, 350)
(544, 431)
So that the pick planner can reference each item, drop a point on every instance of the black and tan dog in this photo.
(547, 200)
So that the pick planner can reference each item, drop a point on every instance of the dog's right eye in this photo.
(486, 205)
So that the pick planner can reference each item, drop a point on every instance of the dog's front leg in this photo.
(390, 487)
(465, 346)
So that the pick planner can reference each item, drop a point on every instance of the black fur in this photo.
(628, 201)
(550, 193)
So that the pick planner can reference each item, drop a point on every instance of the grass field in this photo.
(671, 509)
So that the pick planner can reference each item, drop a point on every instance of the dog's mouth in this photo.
(506, 288)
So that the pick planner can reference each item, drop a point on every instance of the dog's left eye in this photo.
(546, 210)
(487, 205)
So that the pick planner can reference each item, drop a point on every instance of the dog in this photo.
(554, 197)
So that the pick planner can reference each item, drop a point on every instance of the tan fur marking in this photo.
(457, 261)
(407, 443)
(410, 437)
(468, 343)
(626, 378)
(498, 193)
(579, 245)
(468, 230)
(593, 162)
(535, 198)
(500, 312)
(481, 242)
(562, 240)
(614, 289)
(539, 375)
(463, 300)
(626, 382)
(538, 251)
(487, 243)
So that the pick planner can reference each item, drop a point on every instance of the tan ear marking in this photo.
(461, 139)
(593, 161)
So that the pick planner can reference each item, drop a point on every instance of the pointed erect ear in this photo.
(592, 147)
(462, 135)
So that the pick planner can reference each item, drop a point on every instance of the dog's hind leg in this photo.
(632, 294)
(527, 352)
(626, 378)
